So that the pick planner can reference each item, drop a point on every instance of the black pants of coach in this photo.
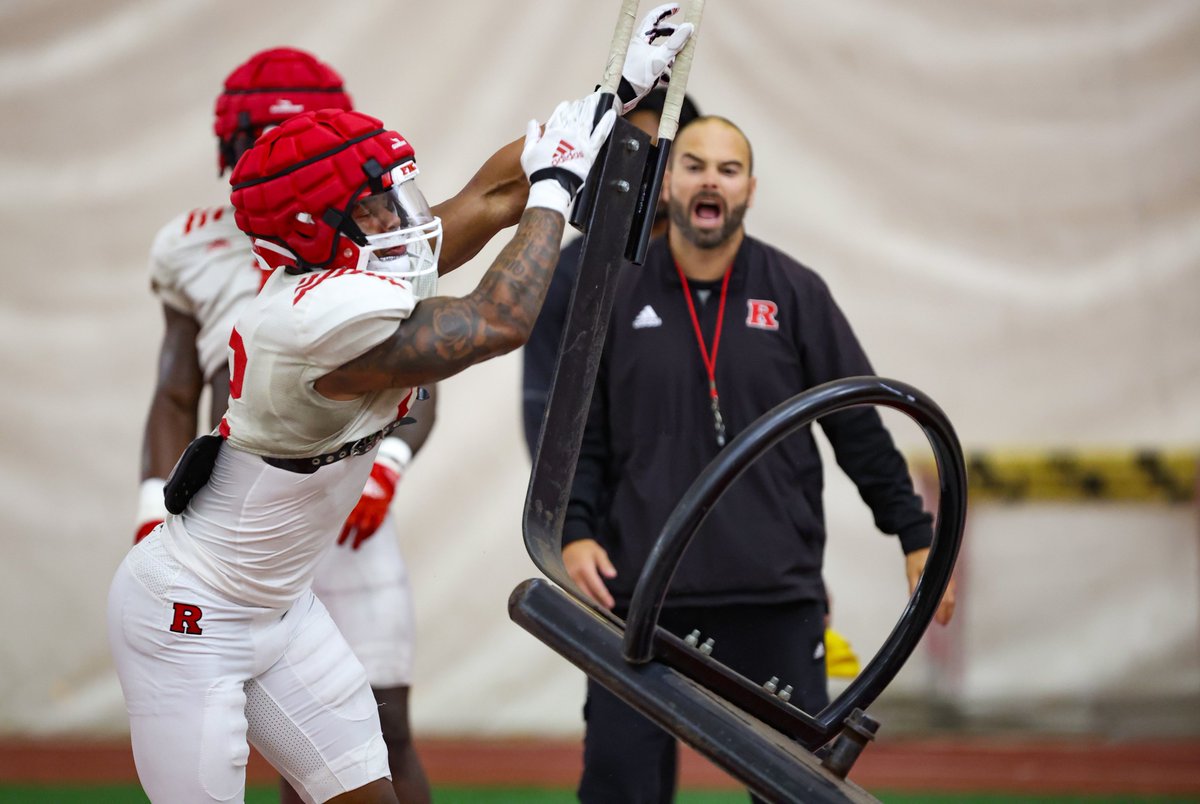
(627, 759)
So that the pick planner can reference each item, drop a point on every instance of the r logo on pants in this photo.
(187, 619)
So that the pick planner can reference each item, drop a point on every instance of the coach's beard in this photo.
(705, 238)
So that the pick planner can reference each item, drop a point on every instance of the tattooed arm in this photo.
(445, 335)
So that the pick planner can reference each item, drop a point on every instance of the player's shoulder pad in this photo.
(325, 301)
(200, 229)
(185, 245)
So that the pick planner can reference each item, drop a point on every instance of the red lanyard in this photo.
(710, 362)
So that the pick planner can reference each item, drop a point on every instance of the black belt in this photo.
(306, 466)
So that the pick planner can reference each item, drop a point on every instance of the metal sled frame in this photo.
(741, 726)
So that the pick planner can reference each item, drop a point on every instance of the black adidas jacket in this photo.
(650, 433)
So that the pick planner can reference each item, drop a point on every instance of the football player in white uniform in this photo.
(217, 636)
(203, 270)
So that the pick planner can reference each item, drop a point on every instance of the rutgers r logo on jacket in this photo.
(762, 314)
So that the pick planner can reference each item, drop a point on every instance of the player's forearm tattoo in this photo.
(445, 335)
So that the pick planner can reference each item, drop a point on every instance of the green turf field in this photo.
(129, 794)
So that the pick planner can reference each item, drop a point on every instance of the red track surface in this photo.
(959, 765)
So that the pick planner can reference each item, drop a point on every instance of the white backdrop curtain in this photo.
(1004, 197)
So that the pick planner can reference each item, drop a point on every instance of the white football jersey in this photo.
(201, 265)
(299, 328)
(256, 532)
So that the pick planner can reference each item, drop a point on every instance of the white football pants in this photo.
(202, 675)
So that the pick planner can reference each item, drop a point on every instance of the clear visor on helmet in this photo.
(403, 236)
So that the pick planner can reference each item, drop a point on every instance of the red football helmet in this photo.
(269, 88)
(335, 189)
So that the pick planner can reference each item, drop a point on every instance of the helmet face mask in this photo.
(399, 234)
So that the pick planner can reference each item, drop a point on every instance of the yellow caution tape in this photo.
(1078, 475)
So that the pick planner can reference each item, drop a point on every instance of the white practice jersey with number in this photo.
(202, 266)
(298, 329)
(256, 532)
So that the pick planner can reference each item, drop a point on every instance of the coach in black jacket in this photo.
(713, 331)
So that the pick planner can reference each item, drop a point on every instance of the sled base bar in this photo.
(767, 762)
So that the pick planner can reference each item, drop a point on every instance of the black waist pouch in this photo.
(191, 472)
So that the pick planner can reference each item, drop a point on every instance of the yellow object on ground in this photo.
(840, 659)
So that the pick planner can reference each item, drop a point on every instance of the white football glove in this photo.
(557, 161)
(648, 64)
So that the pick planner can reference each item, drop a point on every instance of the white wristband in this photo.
(396, 453)
(549, 194)
(151, 506)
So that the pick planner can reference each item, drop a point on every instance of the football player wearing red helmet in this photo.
(217, 635)
(203, 271)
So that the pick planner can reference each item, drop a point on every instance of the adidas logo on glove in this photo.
(565, 152)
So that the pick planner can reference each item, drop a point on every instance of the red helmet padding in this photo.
(274, 85)
(311, 163)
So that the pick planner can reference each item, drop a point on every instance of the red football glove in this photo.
(151, 509)
(372, 507)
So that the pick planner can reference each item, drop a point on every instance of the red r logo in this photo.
(760, 314)
(187, 619)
